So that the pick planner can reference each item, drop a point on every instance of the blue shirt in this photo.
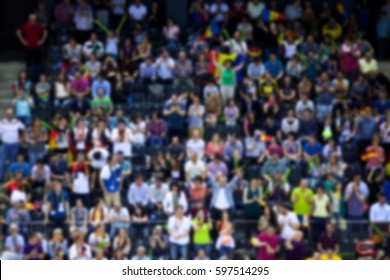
(22, 108)
(382, 29)
(175, 120)
(9, 243)
(274, 68)
(104, 85)
(23, 168)
(380, 106)
(312, 151)
(112, 183)
(58, 202)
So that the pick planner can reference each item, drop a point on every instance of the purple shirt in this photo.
(156, 129)
(215, 168)
(29, 248)
(355, 206)
(297, 252)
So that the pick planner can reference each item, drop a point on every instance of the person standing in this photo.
(11, 131)
(179, 234)
(32, 35)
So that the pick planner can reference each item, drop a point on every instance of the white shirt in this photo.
(222, 203)
(255, 11)
(75, 253)
(9, 131)
(122, 146)
(195, 169)
(196, 146)
(165, 67)
(81, 183)
(380, 213)
(82, 22)
(17, 196)
(287, 221)
(138, 12)
(219, 12)
(179, 227)
(118, 7)
(103, 159)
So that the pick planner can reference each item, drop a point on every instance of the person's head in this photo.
(9, 114)
(157, 230)
(273, 57)
(357, 178)
(141, 252)
(195, 134)
(57, 187)
(179, 211)
(80, 157)
(20, 158)
(201, 254)
(320, 190)
(117, 206)
(34, 238)
(381, 198)
(232, 139)
(200, 215)
(93, 37)
(14, 229)
(228, 63)
(165, 54)
(182, 56)
(291, 136)
(274, 156)
(57, 233)
(307, 114)
(303, 184)
(79, 203)
(298, 236)
(329, 228)
(270, 230)
(139, 180)
(194, 157)
(175, 141)
(283, 208)
(32, 18)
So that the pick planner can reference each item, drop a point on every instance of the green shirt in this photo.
(104, 103)
(302, 206)
(228, 78)
(202, 235)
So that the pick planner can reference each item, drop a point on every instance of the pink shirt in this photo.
(79, 85)
(272, 241)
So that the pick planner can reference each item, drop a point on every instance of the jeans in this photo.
(155, 141)
(34, 157)
(178, 250)
(225, 251)
(7, 152)
(205, 247)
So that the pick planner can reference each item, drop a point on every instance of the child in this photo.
(231, 113)
(225, 243)
(112, 43)
(23, 105)
(337, 199)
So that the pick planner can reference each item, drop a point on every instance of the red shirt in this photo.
(32, 34)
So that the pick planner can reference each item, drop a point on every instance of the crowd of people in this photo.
(259, 130)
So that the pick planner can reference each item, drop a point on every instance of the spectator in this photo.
(14, 245)
(179, 228)
(32, 35)
(11, 131)
(139, 193)
(268, 244)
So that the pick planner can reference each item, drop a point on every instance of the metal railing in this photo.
(348, 232)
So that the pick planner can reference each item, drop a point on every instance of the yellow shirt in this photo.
(302, 206)
(333, 258)
(366, 67)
